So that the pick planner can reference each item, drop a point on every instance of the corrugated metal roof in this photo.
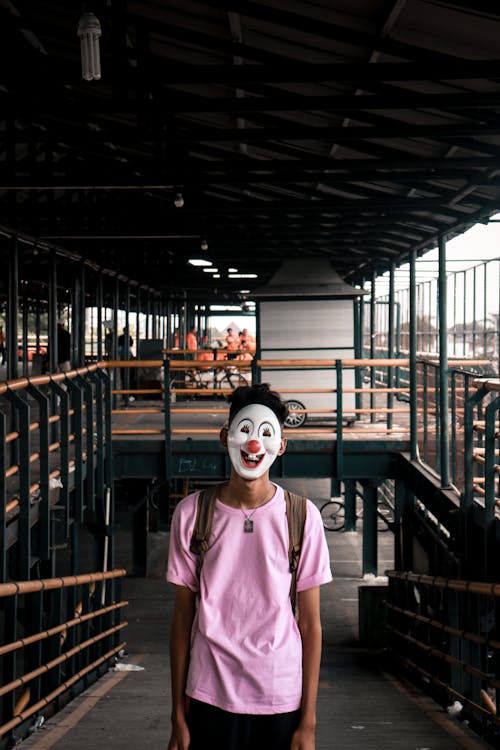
(348, 131)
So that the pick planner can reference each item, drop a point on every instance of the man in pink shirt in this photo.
(244, 670)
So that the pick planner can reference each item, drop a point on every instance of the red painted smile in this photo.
(251, 460)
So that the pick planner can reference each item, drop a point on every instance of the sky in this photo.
(480, 243)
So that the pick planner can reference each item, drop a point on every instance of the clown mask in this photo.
(254, 441)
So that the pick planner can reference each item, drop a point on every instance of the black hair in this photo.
(260, 393)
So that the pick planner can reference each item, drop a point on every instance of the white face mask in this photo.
(254, 440)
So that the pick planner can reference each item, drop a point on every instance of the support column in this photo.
(390, 347)
(52, 317)
(370, 537)
(443, 366)
(412, 337)
(99, 306)
(372, 348)
(12, 311)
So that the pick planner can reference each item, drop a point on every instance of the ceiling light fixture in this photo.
(89, 31)
(199, 262)
(178, 200)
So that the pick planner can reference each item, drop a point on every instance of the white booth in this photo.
(305, 312)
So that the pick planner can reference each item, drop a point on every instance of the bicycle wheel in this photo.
(235, 379)
(296, 414)
(385, 517)
(333, 515)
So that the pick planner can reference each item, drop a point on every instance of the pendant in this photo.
(248, 526)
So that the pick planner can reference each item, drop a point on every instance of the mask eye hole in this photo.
(245, 427)
(266, 430)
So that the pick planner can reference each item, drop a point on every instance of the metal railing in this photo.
(447, 632)
(58, 635)
(54, 460)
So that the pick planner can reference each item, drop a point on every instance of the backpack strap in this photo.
(296, 508)
(203, 523)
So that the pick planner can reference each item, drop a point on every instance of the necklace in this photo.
(248, 522)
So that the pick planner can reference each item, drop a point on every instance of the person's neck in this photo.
(247, 494)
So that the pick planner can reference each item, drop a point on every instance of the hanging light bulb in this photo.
(89, 31)
(204, 244)
(178, 200)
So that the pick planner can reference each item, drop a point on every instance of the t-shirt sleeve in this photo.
(314, 565)
(182, 564)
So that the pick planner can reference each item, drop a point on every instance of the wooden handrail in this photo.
(19, 718)
(63, 628)
(46, 584)
(19, 681)
(475, 587)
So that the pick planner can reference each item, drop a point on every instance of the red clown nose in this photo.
(253, 446)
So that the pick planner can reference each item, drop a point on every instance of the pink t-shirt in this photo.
(246, 650)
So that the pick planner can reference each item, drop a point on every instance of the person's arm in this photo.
(180, 640)
(311, 634)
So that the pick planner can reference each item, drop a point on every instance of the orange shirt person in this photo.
(192, 342)
(247, 341)
(232, 343)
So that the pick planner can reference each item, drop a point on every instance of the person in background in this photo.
(192, 339)
(125, 344)
(108, 343)
(247, 342)
(63, 347)
(244, 672)
(126, 378)
(232, 344)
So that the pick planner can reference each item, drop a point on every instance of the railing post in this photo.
(340, 437)
(3, 494)
(167, 419)
(22, 410)
(370, 556)
(412, 336)
(358, 352)
(490, 485)
(77, 430)
(44, 466)
(443, 365)
(350, 505)
(60, 395)
(390, 348)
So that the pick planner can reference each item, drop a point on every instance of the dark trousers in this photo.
(211, 728)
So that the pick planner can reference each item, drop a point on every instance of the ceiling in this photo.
(347, 130)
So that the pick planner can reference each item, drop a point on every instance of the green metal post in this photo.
(370, 556)
(12, 312)
(443, 366)
(372, 347)
(413, 357)
(24, 335)
(138, 327)
(43, 526)
(3, 495)
(24, 561)
(350, 505)
(167, 419)
(474, 302)
(390, 347)
(340, 438)
(53, 313)
(358, 352)
(99, 305)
